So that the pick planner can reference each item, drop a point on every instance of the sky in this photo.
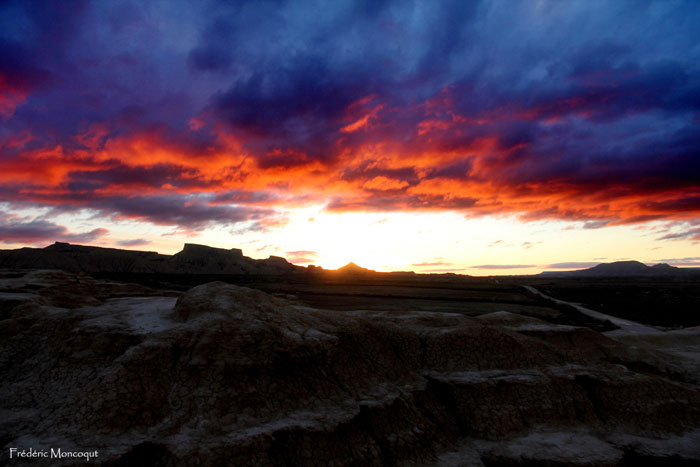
(479, 137)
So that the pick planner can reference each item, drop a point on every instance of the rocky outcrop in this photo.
(201, 259)
(193, 259)
(229, 300)
(225, 375)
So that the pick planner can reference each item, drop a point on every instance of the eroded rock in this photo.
(228, 375)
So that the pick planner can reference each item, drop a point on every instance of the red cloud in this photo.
(12, 94)
(430, 157)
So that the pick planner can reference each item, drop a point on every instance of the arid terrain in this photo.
(304, 366)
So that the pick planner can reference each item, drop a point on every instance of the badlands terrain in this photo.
(212, 358)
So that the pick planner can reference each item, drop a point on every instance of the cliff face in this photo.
(225, 375)
(193, 259)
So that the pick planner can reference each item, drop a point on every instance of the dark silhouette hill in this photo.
(352, 268)
(193, 259)
(624, 269)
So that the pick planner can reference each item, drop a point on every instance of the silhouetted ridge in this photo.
(620, 268)
(352, 268)
(624, 269)
(193, 259)
(664, 267)
(194, 249)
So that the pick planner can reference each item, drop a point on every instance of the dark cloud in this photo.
(368, 171)
(188, 212)
(391, 202)
(128, 176)
(245, 197)
(210, 59)
(679, 260)
(572, 265)
(133, 242)
(688, 204)
(183, 211)
(40, 231)
(693, 234)
(459, 170)
(486, 108)
(19, 68)
(595, 224)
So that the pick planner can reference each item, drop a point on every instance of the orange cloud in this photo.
(442, 161)
(382, 183)
(363, 121)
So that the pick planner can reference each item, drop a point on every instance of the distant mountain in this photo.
(624, 269)
(193, 259)
(620, 268)
(352, 268)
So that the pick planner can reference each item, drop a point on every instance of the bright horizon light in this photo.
(428, 242)
(469, 137)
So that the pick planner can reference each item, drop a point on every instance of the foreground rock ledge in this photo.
(225, 375)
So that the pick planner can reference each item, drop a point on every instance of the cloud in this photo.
(595, 224)
(301, 260)
(442, 270)
(675, 260)
(181, 211)
(40, 231)
(189, 212)
(692, 234)
(301, 256)
(133, 242)
(432, 263)
(690, 261)
(572, 265)
(235, 112)
(503, 266)
(302, 253)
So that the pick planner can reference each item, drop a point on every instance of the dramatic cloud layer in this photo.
(14, 229)
(196, 114)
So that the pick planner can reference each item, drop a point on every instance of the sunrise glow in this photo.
(468, 137)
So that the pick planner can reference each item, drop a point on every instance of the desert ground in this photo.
(338, 369)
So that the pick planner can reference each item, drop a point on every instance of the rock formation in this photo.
(226, 375)
(352, 268)
(193, 259)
